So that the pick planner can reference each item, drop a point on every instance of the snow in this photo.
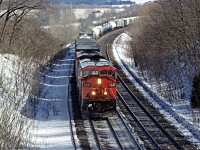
(8, 67)
(11, 67)
(142, 1)
(14, 91)
(177, 113)
(52, 114)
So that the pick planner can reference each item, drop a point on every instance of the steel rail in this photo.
(70, 116)
(108, 46)
(95, 134)
(144, 130)
(115, 135)
(129, 131)
(156, 146)
(150, 116)
(140, 104)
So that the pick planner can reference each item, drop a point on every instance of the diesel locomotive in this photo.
(96, 79)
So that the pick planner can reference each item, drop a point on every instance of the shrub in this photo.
(195, 98)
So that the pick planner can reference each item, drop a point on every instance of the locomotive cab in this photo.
(101, 81)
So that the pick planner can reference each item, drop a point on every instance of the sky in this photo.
(141, 1)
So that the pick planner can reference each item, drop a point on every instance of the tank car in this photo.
(112, 25)
(96, 32)
(106, 27)
(100, 30)
(96, 84)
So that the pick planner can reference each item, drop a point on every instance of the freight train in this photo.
(95, 77)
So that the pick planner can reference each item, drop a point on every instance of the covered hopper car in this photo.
(105, 27)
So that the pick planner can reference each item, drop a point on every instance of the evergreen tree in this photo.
(195, 98)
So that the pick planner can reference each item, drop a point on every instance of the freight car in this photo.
(100, 30)
(95, 76)
(86, 44)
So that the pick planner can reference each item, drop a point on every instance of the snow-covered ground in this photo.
(142, 1)
(177, 113)
(52, 111)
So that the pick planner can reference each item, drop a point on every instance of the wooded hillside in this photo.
(166, 46)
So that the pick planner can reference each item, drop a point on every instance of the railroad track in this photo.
(110, 133)
(69, 100)
(104, 134)
(154, 130)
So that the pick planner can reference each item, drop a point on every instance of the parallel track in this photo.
(105, 135)
(119, 122)
(111, 134)
(70, 112)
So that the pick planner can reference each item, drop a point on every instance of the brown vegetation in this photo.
(165, 44)
(62, 24)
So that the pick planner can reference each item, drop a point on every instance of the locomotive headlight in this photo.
(93, 93)
(99, 81)
(105, 93)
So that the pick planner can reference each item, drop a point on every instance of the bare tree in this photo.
(62, 24)
(166, 42)
(15, 11)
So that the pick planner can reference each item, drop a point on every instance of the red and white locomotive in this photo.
(96, 80)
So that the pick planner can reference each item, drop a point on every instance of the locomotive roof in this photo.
(85, 40)
(88, 54)
(88, 47)
(94, 62)
(89, 44)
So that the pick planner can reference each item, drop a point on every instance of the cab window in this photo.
(94, 72)
(111, 73)
(103, 72)
(86, 73)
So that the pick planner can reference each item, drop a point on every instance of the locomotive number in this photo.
(86, 84)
